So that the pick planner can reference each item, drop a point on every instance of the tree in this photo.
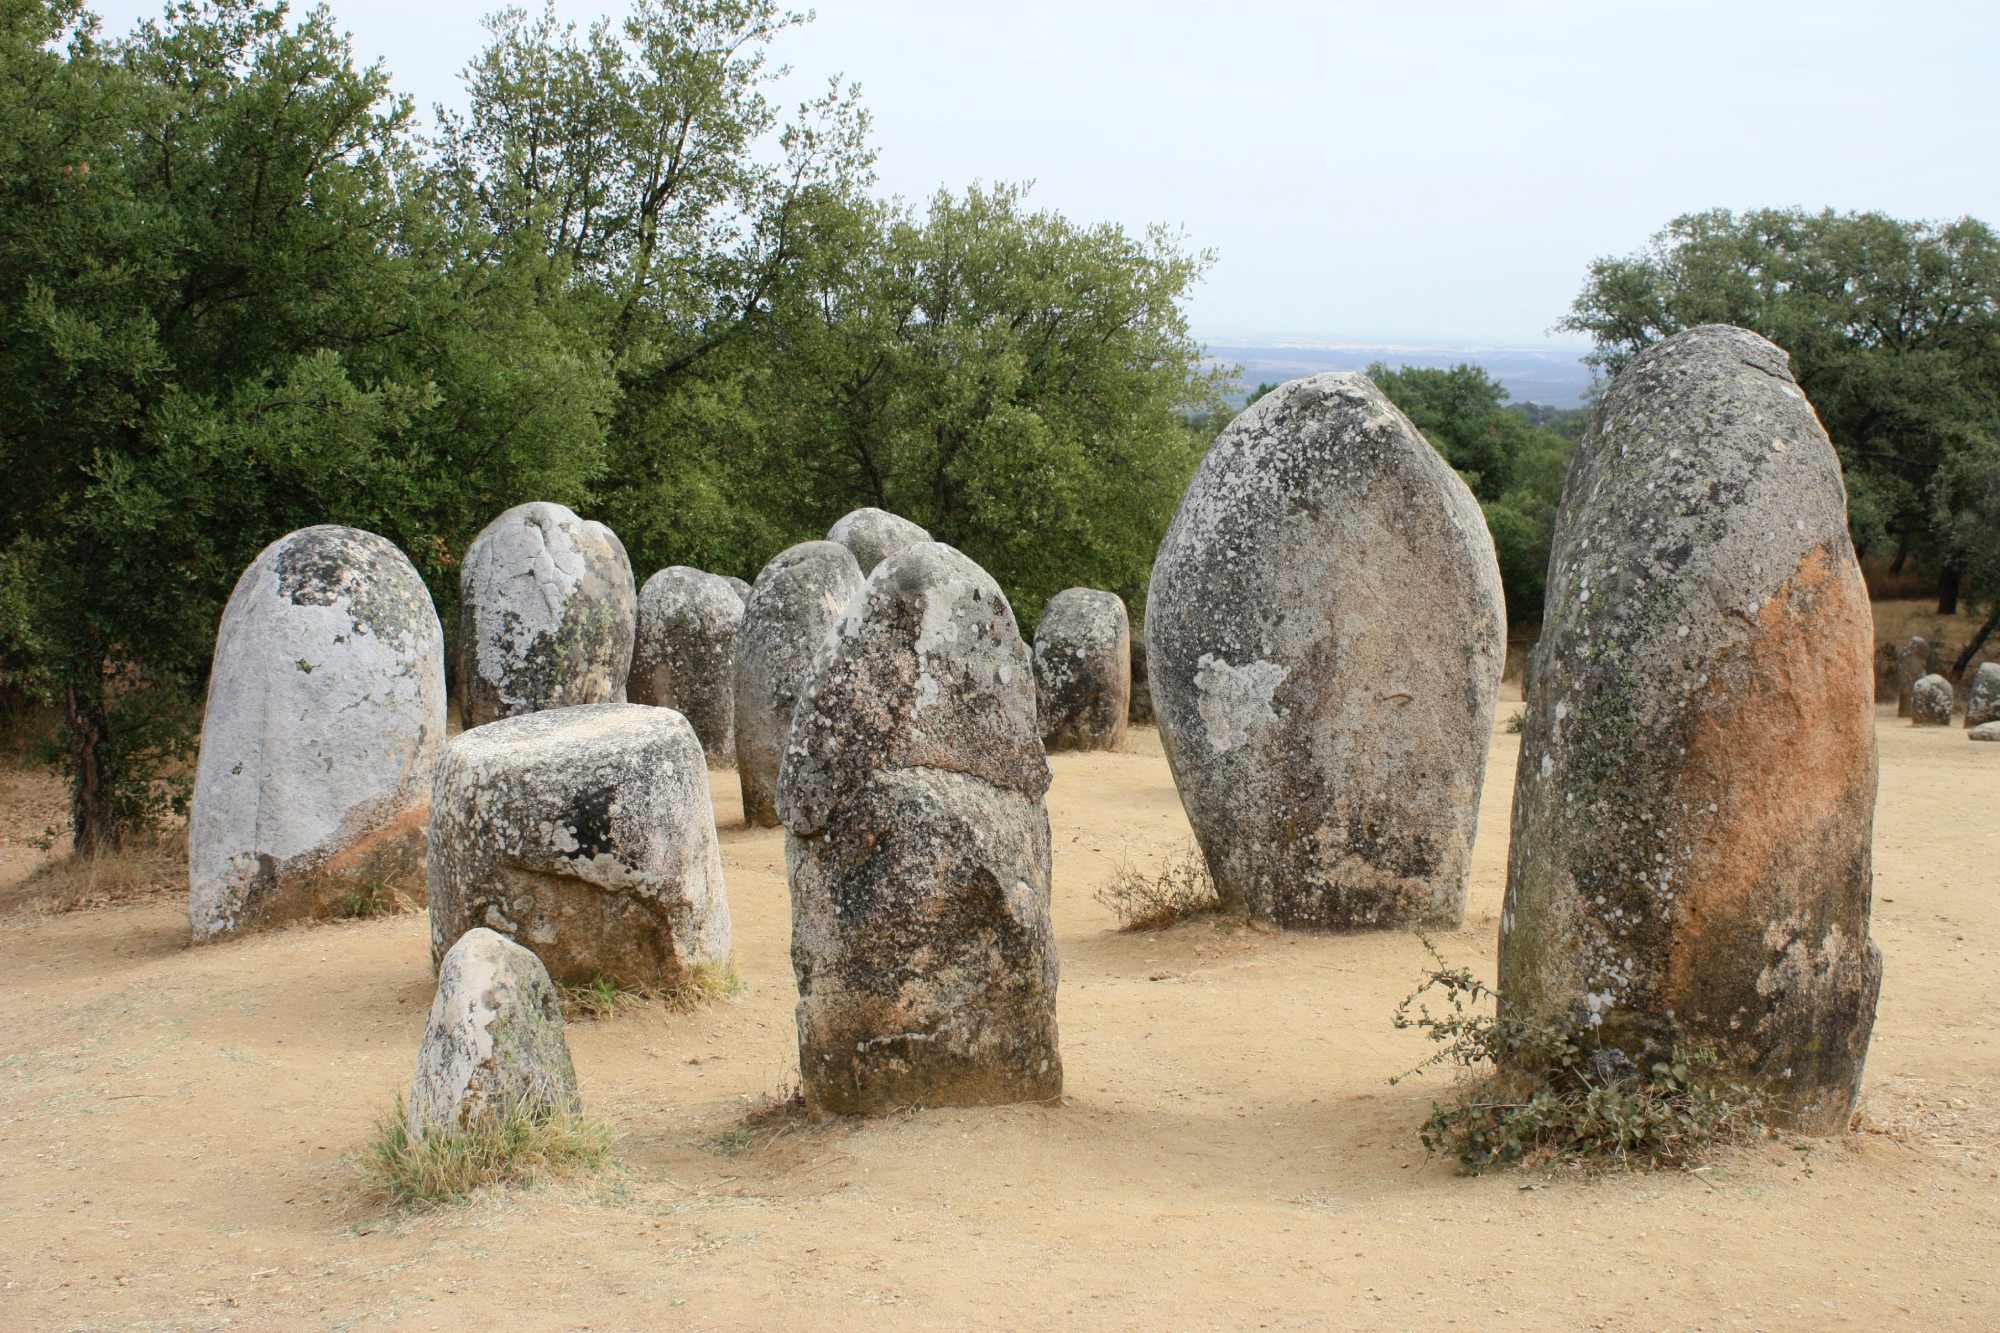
(1893, 328)
(224, 315)
(1968, 515)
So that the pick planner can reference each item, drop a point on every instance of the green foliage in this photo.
(513, 1145)
(238, 296)
(1534, 1092)
(1893, 329)
(1514, 466)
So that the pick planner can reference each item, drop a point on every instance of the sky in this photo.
(1438, 172)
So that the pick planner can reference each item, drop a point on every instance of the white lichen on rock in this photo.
(494, 1044)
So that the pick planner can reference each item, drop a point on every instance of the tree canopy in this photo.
(1893, 329)
(240, 293)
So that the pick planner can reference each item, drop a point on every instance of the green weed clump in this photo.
(1178, 891)
(1532, 1092)
(512, 1146)
(606, 997)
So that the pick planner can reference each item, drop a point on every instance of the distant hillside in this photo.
(1553, 375)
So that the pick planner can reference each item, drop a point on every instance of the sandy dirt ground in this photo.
(178, 1129)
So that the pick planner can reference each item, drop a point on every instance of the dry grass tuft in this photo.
(779, 1116)
(144, 868)
(1178, 891)
(512, 1147)
(606, 997)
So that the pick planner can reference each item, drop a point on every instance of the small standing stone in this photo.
(494, 1045)
(586, 834)
(793, 606)
(546, 615)
(1912, 662)
(918, 849)
(1141, 709)
(684, 657)
(326, 714)
(1931, 701)
(1695, 804)
(1083, 670)
(874, 535)
(1325, 633)
(1982, 702)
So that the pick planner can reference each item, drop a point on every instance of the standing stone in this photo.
(494, 1046)
(684, 656)
(1695, 805)
(326, 713)
(1083, 670)
(1326, 635)
(1982, 702)
(795, 602)
(546, 615)
(1141, 708)
(1931, 701)
(738, 586)
(1912, 664)
(874, 535)
(918, 849)
(587, 835)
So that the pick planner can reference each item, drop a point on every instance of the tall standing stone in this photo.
(684, 655)
(1912, 664)
(918, 849)
(1982, 701)
(1326, 632)
(1083, 670)
(546, 615)
(326, 713)
(874, 535)
(1694, 810)
(794, 603)
(588, 835)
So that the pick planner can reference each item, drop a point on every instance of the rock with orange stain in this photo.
(1694, 814)
(325, 720)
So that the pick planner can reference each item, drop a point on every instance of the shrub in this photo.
(1536, 1092)
(1180, 890)
(515, 1145)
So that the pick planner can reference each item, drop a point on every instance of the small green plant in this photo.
(1516, 723)
(1178, 891)
(1536, 1092)
(514, 1145)
(606, 997)
(366, 900)
(777, 1116)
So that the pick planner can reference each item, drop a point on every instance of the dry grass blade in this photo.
(1178, 891)
(607, 997)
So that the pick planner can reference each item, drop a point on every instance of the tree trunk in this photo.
(1948, 590)
(1896, 565)
(93, 823)
(1978, 642)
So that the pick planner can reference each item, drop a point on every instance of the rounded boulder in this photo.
(547, 612)
(1982, 701)
(587, 835)
(1931, 701)
(1325, 635)
(1083, 670)
(795, 602)
(873, 535)
(325, 718)
(684, 655)
(494, 1046)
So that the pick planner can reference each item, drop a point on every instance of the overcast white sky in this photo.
(1378, 170)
